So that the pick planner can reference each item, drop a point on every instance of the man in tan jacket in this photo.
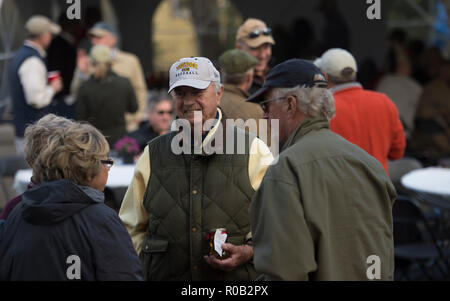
(123, 63)
(237, 70)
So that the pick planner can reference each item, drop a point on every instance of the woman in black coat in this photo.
(62, 230)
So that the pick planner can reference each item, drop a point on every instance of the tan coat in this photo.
(234, 106)
(127, 65)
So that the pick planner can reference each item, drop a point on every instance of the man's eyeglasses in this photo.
(264, 103)
(256, 33)
(164, 112)
(108, 162)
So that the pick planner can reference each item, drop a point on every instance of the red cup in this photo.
(53, 75)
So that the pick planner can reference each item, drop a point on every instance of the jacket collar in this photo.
(339, 88)
(236, 90)
(210, 134)
(306, 126)
(36, 47)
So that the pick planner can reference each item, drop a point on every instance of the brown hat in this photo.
(254, 33)
(38, 24)
(236, 61)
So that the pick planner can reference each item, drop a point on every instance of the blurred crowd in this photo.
(414, 76)
(337, 136)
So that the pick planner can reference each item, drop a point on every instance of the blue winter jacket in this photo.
(62, 231)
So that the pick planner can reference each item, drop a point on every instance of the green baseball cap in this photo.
(236, 61)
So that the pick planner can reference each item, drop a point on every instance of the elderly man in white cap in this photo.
(30, 91)
(177, 203)
(256, 38)
(366, 118)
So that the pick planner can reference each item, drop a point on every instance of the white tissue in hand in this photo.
(219, 239)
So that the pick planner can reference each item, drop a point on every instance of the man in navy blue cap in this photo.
(323, 212)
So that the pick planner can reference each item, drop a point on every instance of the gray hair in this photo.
(347, 75)
(155, 98)
(72, 153)
(235, 78)
(312, 101)
(36, 134)
(218, 85)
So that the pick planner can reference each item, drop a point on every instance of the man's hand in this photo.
(56, 84)
(238, 255)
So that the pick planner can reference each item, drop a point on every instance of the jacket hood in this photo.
(52, 202)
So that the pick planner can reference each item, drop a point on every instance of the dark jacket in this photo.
(24, 114)
(57, 221)
(187, 196)
(104, 102)
(143, 135)
(62, 57)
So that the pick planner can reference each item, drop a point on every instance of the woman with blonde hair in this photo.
(62, 230)
(34, 141)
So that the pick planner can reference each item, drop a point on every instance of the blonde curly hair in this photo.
(73, 153)
(36, 134)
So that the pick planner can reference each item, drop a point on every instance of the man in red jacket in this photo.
(366, 118)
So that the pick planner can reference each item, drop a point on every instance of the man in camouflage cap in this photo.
(255, 37)
(237, 73)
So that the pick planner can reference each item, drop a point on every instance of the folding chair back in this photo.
(415, 241)
(409, 225)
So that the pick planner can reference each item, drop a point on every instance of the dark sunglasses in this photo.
(164, 112)
(108, 162)
(256, 33)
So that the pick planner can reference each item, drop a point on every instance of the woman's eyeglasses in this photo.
(108, 162)
(164, 112)
(256, 33)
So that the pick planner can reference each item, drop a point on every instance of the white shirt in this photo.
(33, 76)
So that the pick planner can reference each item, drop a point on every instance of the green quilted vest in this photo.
(186, 197)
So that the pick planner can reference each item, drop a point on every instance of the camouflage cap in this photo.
(236, 61)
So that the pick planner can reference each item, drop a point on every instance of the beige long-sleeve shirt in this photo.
(132, 212)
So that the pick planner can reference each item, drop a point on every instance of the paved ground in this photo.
(7, 148)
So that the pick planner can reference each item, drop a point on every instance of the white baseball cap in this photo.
(196, 72)
(335, 60)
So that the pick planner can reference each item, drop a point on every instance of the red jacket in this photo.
(370, 120)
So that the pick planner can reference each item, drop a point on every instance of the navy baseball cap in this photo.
(291, 73)
(101, 28)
